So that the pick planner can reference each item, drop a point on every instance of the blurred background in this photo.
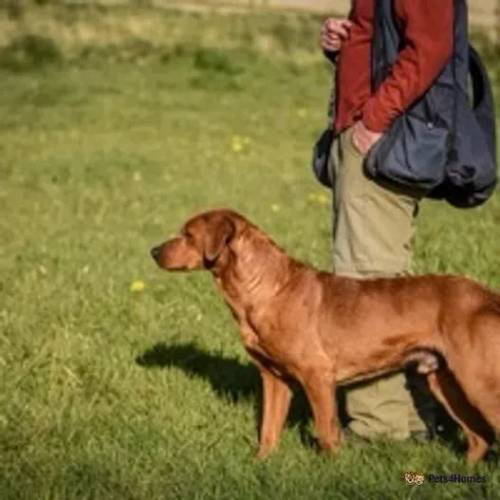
(120, 119)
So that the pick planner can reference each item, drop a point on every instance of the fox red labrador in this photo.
(298, 323)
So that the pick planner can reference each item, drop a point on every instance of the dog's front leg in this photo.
(277, 395)
(320, 391)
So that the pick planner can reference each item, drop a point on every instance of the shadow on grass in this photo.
(235, 381)
(229, 378)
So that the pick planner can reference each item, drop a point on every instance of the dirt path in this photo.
(483, 12)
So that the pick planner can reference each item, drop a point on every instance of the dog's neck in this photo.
(252, 270)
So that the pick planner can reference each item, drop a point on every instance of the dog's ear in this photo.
(219, 234)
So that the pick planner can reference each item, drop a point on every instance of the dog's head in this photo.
(202, 244)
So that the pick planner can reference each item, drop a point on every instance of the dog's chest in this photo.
(253, 339)
(263, 345)
(249, 338)
(256, 334)
(262, 353)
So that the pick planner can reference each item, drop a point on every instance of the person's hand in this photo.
(363, 139)
(333, 34)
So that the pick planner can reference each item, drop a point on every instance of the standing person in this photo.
(374, 222)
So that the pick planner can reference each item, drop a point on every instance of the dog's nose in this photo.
(155, 252)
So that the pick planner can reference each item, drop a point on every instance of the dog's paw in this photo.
(330, 449)
(263, 453)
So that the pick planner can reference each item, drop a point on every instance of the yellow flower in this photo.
(319, 198)
(302, 113)
(275, 207)
(238, 143)
(137, 286)
(323, 199)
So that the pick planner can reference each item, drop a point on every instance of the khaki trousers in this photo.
(373, 228)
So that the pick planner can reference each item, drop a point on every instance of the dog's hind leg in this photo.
(478, 432)
(479, 373)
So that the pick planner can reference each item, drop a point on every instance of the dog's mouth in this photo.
(160, 256)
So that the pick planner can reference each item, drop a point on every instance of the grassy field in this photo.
(119, 381)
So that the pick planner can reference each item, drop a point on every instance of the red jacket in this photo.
(427, 27)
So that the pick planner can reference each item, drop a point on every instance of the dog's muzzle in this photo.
(156, 253)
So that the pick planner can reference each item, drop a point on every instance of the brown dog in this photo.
(321, 330)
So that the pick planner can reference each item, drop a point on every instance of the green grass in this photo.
(105, 149)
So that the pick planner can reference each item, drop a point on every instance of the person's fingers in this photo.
(331, 38)
(357, 143)
(333, 33)
(340, 28)
(330, 42)
(363, 139)
(328, 35)
(359, 139)
(346, 24)
(331, 47)
(340, 31)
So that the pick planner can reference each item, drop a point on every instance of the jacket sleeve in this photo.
(427, 27)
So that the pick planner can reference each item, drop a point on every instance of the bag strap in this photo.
(385, 42)
(452, 151)
(482, 99)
